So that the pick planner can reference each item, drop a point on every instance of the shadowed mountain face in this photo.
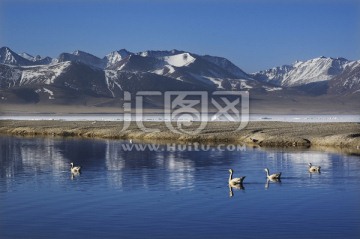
(7, 56)
(82, 57)
(348, 82)
(76, 77)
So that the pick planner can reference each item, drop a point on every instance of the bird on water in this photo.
(313, 168)
(74, 169)
(234, 181)
(275, 176)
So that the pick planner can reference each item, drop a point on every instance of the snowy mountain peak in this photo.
(116, 56)
(123, 52)
(83, 57)
(342, 59)
(7, 56)
(302, 73)
(27, 56)
(82, 53)
(37, 60)
(77, 52)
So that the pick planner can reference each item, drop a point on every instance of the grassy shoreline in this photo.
(265, 134)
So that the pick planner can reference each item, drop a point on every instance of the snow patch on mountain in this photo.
(159, 54)
(159, 71)
(166, 70)
(170, 69)
(48, 91)
(244, 85)
(267, 88)
(42, 74)
(179, 60)
(111, 81)
(216, 81)
(45, 90)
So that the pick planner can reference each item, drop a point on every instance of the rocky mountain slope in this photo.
(318, 76)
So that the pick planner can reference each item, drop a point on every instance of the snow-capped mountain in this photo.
(303, 73)
(83, 57)
(114, 57)
(27, 56)
(7, 56)
(38, 60)
(187, 67)
(73, 76)
(79, 73)
(347, 82)
(17, 76)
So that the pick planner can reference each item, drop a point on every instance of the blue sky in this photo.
(254, 34)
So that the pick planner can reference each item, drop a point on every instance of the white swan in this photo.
(234, 181)
(275, 176)
(76, 169)
(314, 168)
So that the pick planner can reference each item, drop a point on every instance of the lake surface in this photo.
(172, 192)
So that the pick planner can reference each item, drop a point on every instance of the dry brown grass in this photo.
(269, 134)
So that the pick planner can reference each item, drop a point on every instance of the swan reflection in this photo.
(271, 180)
(74, 175)
(236, 187)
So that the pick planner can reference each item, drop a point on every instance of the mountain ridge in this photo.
(83, 74)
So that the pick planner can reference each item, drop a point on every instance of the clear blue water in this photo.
(172, 194)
